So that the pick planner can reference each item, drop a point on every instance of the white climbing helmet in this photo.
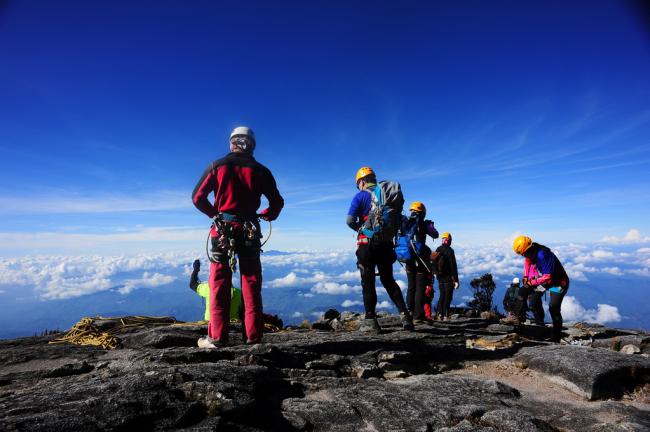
(515, 281)
(243, 137)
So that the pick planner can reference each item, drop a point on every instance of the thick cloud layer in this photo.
(312, 273)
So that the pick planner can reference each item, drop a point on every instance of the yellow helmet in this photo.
(521, 244)
(417, 206)
(363, 172)
(445, 235)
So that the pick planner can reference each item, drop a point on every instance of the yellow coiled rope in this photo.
(86, 333)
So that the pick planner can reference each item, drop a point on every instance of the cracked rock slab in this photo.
(594, 373)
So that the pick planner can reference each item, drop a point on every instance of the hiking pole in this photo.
(420, 258)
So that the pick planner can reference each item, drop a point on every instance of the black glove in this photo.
(196, 265)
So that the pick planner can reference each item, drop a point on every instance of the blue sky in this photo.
(511, 117)
(502, 117)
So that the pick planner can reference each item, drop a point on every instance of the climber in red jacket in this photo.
(238, 181)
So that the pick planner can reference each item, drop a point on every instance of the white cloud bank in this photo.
(351, 303)
(293, 280)
(146, 281)
(334, 288)
(61, 277)
(573, 311)
(69, 277)
(632, 236)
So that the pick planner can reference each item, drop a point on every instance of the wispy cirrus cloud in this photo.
(62, 202)
(70, 241)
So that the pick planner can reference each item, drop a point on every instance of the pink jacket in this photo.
(532, 274)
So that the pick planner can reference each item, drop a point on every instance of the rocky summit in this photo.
(467, 374)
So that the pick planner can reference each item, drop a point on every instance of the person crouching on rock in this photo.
(238, 182)
(203, 290)
(371, 254)
(542, 268)
(445, 261)
(511, 296)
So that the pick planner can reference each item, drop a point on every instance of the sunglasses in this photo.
(241, 140)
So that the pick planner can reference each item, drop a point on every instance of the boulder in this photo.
(617, 342)
(594, 373)
(331, 314)
(492, 343)
(630, 349)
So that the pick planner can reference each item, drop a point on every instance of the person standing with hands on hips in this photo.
(238, 182)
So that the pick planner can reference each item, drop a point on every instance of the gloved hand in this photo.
(540, 288)
(456, 285)
(196, 265)
(264, 215)
(431, 229)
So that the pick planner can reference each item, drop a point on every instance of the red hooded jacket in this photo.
(238, 182)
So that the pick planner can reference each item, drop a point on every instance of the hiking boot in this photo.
(253, 341)
(510, 320)
(407, 322)
(554, 339)
(209, 343)
(370, 325)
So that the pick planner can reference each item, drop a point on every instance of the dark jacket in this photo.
(448, 268)
(238, 182)
(510, 297)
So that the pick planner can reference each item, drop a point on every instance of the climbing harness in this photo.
(226, 242)
(223, 242)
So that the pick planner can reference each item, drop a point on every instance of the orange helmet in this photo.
(417, 206)
(521, 244)
(363, 172)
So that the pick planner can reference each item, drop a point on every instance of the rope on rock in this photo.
(102, 332)
(271, 328)
(86, 332)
